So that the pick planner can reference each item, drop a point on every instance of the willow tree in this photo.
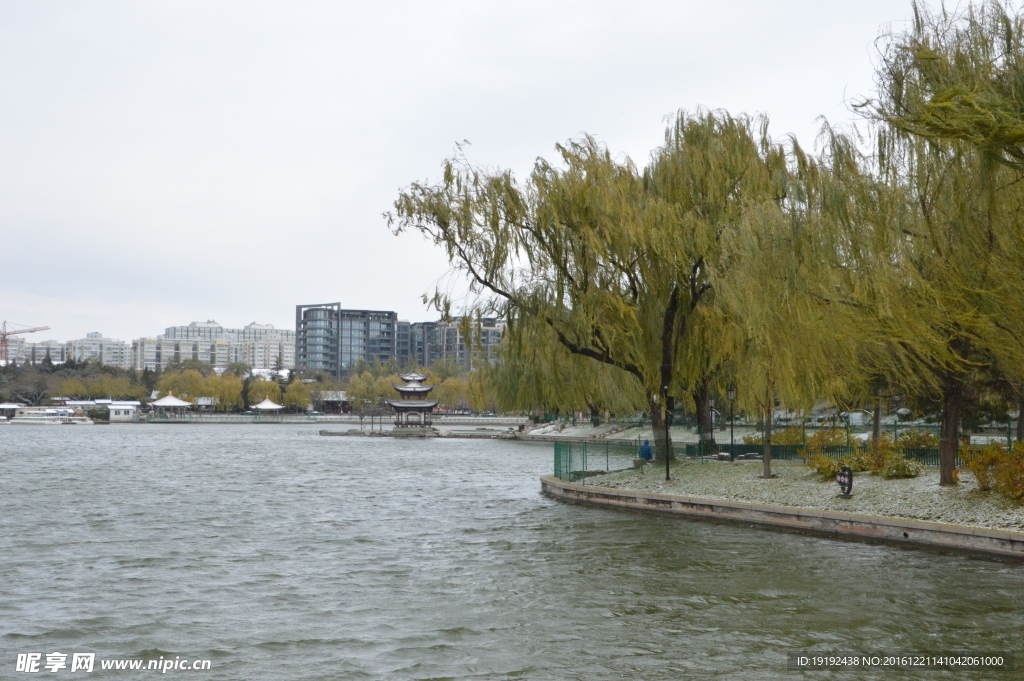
(946, 136)
(796, 305)
(960, 76)
(535, 371)
(618, 262)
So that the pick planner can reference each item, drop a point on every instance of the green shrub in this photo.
(794, 435)
(858, 463)
(982, 461)
(898, 467)
(827, 436)
(823, 437)
(825, 466)
(1008, 474)
(879, 453)
(98, 414)
(917, 439)
(828, 466)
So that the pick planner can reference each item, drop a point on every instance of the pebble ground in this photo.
(797, 485)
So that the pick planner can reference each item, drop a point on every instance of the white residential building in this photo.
(95, 348)
(265, 354)
(258, 345)
(21, 350)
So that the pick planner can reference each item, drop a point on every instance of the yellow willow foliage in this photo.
(535, 372)
(297, 395)
(480, 394)
(451, 394)
(103, 386)
(74, 387)
(949, 134)
(260, 390)
(365, 389)
(226, 390)
(958, 76)
(359, 390)
(384, 388)
(617, 261)
(184, 384)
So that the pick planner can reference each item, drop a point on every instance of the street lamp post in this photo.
(731, 393)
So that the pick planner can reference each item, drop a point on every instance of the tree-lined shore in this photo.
(237, 386)
(886, 262)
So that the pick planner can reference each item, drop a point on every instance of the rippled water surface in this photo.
(280, 555)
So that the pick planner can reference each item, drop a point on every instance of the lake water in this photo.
(277, 554)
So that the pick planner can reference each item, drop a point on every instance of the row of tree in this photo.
(887, 262)
(238, 387)
(470, 392)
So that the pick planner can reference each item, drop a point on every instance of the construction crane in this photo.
(5, 331)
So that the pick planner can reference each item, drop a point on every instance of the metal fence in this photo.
(575, 461)
(926, 456)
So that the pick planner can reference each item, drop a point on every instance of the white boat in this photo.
(50, 417)
(77, 421)
(37, 419)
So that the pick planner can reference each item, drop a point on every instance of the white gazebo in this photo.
(267, 408)
(172, 403)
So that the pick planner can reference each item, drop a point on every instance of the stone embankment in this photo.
(911, 512)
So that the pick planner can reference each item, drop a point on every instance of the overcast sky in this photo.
(164, 162)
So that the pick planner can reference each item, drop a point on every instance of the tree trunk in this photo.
(767, 473)
(705, 424)
(876, 429)
(949, 442)
(662, 440)
(1020, 419)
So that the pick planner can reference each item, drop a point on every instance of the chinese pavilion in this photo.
(413, 409)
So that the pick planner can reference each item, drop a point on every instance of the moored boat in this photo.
(37, 419)
(77, 421)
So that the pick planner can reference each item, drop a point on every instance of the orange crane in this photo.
(5, 331)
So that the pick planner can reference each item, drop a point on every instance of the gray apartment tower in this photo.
(331, 339)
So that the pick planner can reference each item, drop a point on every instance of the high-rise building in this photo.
(267, 353)
(21, 351)
(403, 341)
(146, 354)
(433, 341)
(449, 341)
(329, 338)
(423, 342)
(261, 346)
(95, 348)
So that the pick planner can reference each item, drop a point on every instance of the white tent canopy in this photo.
(267, 405)
(171, 401)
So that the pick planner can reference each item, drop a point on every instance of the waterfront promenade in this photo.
(915, 512)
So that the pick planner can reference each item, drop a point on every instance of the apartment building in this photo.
(481, 344)
(23, 351)
(259, 345)
(95, 348)
(332, 339)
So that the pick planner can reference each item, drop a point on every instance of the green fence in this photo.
(575, 461)
(779, 452)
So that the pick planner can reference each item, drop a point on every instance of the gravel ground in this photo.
(918, 498)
